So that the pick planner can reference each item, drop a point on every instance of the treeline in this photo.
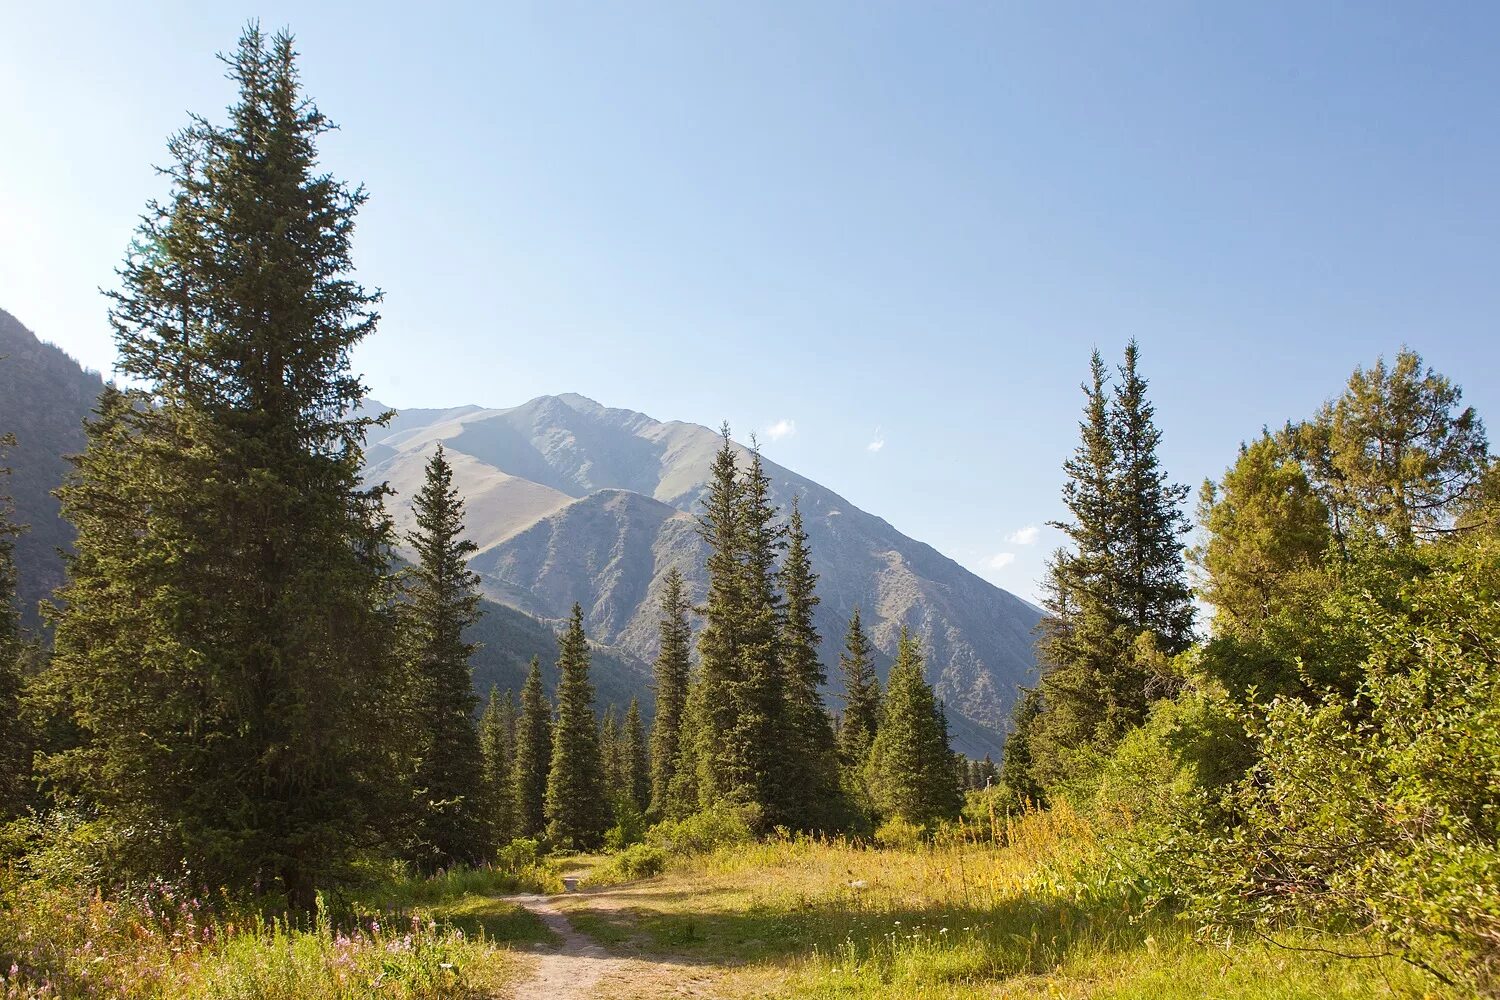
(1328, 753)
(247, 689)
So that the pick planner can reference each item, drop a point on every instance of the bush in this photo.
(629, 828)
(721, 826)
(1381, 811)
(636, 862)
(899, 834)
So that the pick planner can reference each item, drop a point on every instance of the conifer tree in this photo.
(672, 673)
(1150, 574)
(577, 811)
(719, 751)
(533, 756)
(223, 525)
(1117, 599)
(807, 744)
(911, 770)
(635, 766)
(448, 823)
(15, 740)
(497, 745)
(861, 696)
(761, 722)
(609, 752)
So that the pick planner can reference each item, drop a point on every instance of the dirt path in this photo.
(578, 968)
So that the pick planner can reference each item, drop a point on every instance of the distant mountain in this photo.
(572, 501)
(44, 397)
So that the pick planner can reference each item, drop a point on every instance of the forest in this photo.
(243, 755)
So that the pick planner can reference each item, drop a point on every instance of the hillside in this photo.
(44, 397)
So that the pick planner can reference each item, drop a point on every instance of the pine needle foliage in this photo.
(225, 632)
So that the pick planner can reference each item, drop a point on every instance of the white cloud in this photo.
(781, 428)
(876, 444)
(1024, 536)
(1000, 560)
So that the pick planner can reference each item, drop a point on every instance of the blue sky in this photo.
(903, 224)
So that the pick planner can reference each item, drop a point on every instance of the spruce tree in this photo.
(672, 674)
(719, 751)
(635, 766)
(533, 756)
(497, 745)
(223, 527)
(1117, 598)
(1150, 574)
(811, 766)
(448, 824)
(911, 770)
(577, 811)
(761, 722)
(861, 696)
(609, 752)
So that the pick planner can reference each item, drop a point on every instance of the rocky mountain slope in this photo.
(573, 501)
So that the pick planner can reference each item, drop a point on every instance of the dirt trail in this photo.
(577, 968)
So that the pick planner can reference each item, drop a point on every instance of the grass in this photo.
(1050, 914)
(410, 939)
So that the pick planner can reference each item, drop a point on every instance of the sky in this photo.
(883, 237)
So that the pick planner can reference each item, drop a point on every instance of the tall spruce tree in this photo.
(811, 766)
(761, 721)
(672, 675)
(609, 752)
(533, 755)
(861, 696)
(718, 749)
(497, 745)
(912, 775)
(1118, 598)
(222, 522)
(1150, 575)
(635, 768)
(448, 823)
(15, 738)
(577, 810)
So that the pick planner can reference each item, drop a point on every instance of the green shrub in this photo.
(1378, 812)
(702, 832)
(629, 828)
(635, 862)
(899, 834)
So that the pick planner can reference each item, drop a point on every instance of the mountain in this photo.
(571, 501)
(44, 397)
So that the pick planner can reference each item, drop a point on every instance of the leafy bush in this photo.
(1378, 812)
(635, 862)
(899, 834)
(629, 828)
(702, 832)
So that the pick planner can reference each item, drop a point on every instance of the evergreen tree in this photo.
(807, 739)
(15, 738)
(911, 770)
(672, 673)
(761, 721)
(609, 752)
(1117, 599)
(577, 811)
(222, 524)
(533, 756)
(497, 745)
(718, 750)
(635, 767)
(1149, 574)
(448, 823)
(1394, 455)
(861, 696)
